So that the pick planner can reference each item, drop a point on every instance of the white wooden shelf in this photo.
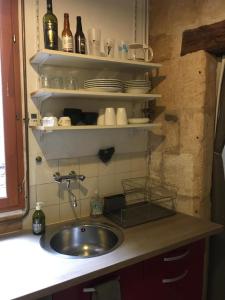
(64, 59)
(96, 127)
(45, 93)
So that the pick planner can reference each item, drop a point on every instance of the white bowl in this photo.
(138, 120)
(137, 90)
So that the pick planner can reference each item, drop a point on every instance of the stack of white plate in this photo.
(104, 85)
(137, 86)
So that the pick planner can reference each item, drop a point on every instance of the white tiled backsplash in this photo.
(104, 177)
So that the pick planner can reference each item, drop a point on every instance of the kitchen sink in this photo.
(82, 240)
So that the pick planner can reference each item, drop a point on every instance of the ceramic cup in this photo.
(110, 116)
(101, 117)
(64, 121)
(148, 53)
(121, 116)
(49, 121)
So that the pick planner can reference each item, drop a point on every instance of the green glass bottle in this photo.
(38, 220)
(50, 27)
(80, 42)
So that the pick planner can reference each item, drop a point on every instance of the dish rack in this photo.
(144, 200)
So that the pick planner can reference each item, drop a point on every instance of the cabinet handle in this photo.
(89, 290)
(174, 258)
(175, 279)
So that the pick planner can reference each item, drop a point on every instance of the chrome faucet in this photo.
(71, 176)
(68, 178)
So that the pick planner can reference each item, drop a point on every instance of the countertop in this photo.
(30, 272)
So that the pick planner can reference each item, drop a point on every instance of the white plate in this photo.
(102, 84)
(104, 89)
(138, 120)
(103, 80)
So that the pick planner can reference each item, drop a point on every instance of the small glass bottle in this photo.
(50, 28)
(38, 220)
(80, 42)
(67, 36)
(96, 205)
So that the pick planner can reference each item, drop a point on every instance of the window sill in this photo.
(11, 221)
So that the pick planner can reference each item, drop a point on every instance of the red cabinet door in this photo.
(176, 275)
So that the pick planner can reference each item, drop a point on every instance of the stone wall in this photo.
(183, 157)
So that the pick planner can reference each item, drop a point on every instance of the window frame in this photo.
(12, 106)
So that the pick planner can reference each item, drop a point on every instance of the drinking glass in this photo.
(123, 50)
(94, 41)
(57, 82)
(109, 45)
(69, 83)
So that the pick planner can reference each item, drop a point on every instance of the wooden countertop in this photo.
(30, 272)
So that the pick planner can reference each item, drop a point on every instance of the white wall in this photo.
(76, 151)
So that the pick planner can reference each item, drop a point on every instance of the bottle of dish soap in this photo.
(96, 205)
(38, 220)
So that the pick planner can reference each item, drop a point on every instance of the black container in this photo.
(74, 114)
(89, 118)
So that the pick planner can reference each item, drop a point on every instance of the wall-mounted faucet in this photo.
(72, 176)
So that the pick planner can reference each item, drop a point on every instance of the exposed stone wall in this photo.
(184, 158)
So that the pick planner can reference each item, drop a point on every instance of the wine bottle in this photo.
(80, 42)
(50, 27)
(67, 36)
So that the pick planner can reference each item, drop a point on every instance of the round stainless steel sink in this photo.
(82, 240)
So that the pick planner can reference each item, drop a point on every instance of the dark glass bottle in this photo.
(50, 27)
(67, 36)
(80, 42)
(38, 220)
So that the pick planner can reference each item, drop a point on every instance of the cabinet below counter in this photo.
(30, 272)
(176, 275)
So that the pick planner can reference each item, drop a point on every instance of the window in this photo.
(11, 138)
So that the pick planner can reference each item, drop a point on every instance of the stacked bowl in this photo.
(137, 86)
(104, 85)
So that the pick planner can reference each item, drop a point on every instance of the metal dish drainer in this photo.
(145, 200)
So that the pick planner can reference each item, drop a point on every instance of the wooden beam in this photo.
(210, 38)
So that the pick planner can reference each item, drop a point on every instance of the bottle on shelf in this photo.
(80, 42)
(67, 36)
(50, 28)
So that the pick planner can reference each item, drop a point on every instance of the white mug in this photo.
(64, 121)
(49, 121)
(148, 53)
(121, 116)
(101, 117)
(110, 116)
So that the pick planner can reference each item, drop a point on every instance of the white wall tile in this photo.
(108, 168)
(107, 185)
(45, 171)
(68, 165)
(89, 166)
(48, 194)
(88, 187)
(85, 207)
(51, 214)
(33, 196)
